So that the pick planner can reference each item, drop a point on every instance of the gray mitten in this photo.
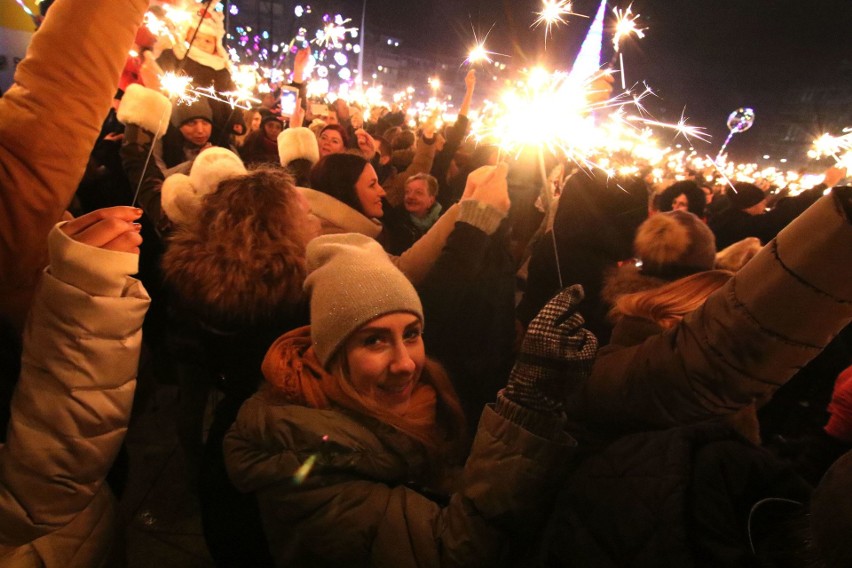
(556, 355)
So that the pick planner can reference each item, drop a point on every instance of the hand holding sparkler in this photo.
(366, 144)
(600, 89)
(150, 71)
(298, 116)
(488, 186)
(470, 81)
(833, 175)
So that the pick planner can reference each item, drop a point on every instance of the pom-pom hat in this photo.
(351, 282)
(674, 244)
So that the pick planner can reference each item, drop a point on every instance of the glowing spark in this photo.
(681, 127)
(304, 470)
(478, 52)
(552, 14)
(26, 9)
(179, 87)
(831, 146)
(625, 25)
(334, 33)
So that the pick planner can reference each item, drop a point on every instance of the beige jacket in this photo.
(71, 408)
(49, 121)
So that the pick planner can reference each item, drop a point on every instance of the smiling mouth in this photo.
(395, 389)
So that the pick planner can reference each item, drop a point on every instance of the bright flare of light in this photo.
(830, 146)
(179, 88)
(478, 53)
(334, 33)
(553, 13)
(625, 25)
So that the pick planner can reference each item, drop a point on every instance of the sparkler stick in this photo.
(148, 157)
(625, 25)
(28, 12)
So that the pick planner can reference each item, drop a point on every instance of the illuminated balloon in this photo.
(740, 120)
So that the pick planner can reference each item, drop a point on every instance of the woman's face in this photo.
(330, 142)
(385, 359)
(370, 193)
(255, 122)
(272, 129)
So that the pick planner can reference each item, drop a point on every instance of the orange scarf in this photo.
(292, 368)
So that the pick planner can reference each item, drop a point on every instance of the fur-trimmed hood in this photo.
(337, 217)
(228, 283)
(627, 279)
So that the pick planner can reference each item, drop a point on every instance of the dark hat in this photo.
(182, 113)
(268, 116)
(675, 244)
(744, 195)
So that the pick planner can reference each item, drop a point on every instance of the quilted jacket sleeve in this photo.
(749, 337)
(73, 399)
(49, 121)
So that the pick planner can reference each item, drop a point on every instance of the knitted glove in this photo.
(556, 356)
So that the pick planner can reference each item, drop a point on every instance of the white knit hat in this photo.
(352, 281)
(181, 195)
(296, 143)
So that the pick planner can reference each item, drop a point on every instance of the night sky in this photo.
(710, 56)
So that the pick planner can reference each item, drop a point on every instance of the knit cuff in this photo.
(544, 425)
(94, 270)
(481, 215)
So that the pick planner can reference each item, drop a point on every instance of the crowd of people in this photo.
(614, 372)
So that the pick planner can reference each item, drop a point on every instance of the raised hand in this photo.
(556, 356)
(111, 228)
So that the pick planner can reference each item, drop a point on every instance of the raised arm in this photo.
(49, 121)
(72, 404)
(778, 312)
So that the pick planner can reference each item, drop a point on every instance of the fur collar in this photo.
(337, 217)
(626, 279)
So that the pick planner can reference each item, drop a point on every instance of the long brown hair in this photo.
(667, 304)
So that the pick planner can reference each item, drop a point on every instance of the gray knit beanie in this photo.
(183, 113)
(351, 281)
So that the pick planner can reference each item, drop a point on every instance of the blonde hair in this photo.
(667, 304)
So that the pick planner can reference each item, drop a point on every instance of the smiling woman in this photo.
(356, 441)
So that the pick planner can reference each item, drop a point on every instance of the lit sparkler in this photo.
(680, 127)
(27, 11)
(831, 146)
(478, 53)
(553, 13)
(334, 33)
(625, 26)
(179, 88)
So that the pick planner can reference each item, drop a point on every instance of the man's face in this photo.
(680, 203)
(196, 131)
(418, 202)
